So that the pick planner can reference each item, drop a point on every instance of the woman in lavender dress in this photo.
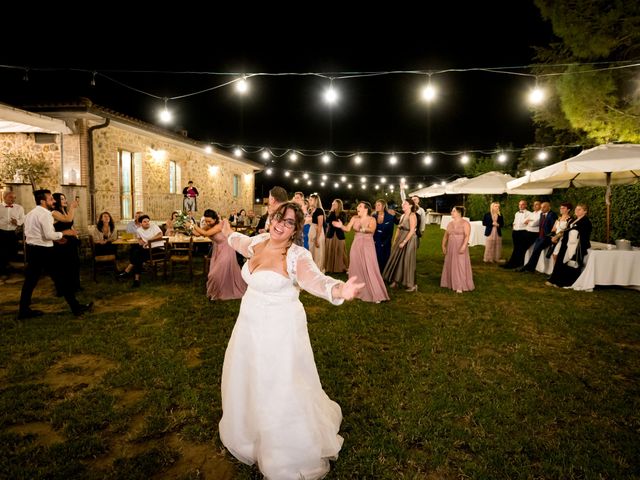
(456, 273)
(401, 267)
(225, 278)
(363, 263)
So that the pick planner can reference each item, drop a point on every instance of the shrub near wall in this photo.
(625, 209)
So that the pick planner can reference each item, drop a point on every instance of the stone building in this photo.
(115, 163)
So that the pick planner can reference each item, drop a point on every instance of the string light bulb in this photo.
(393, 160)
(427, 160)
(165, 114)
(265, 154)
(242, 86)
(237, 152)
(429, 92)
(357, 160)
(293, 157)
(331, 94)
(536, 94)
(464, 159)
(502, 158)
(326, 158)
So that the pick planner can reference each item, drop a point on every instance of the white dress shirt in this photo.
(7, 212)
(38, 228)
(423, 218)
(520, 217)
(534, 222)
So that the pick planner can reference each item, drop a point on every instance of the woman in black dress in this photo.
(66, 249)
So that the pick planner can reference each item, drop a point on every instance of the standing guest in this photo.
(519, 236)
(225, 279)
(493, 222)
(562, 223)
(190, 197)
(39, 237)
(456, 272)
(274, 411)
(149, 236)
(104, 235)
(419, 211)
(169, 231)
(533, 225)
(573, 249)
(545, 224)
(307, 224)
(134, 225)
(383, 233)
(298, 197)
(277, 196)
(66, 249)
(11, 217)
(316, 232)
(401, 267)
(335, 252)
(362, 257)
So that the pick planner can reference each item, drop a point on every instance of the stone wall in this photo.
(212, 175)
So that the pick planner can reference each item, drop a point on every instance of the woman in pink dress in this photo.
(225, 278)
(363, 262)
(456, 273)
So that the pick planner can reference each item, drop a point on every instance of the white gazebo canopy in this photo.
(491, 183)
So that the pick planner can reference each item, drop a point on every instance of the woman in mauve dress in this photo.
(401, 267)
(363, 263)
(493, 223)
(456, 273)
(225, 278)
(335, 250)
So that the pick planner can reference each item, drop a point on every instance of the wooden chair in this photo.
(157, 256)
(181, 252)
(98, 261)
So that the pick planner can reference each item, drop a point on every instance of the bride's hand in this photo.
(350, 289)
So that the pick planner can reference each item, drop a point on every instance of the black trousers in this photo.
(39, 260)
(522, 240)
(538, 246)
(8, 247)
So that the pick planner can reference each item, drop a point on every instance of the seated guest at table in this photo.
(251, 220)
(363, 263)
(545, 223)
(133, 225)
(169, 231)
(225, 278)
(149, 236)
(241, 217)
(104, 234)
(456, 271)
(493, 222)
(573, 249)
(558, 229)
(335, 251)
(384, 232)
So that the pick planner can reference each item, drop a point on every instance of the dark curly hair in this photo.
(299, 219)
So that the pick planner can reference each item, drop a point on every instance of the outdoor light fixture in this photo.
(165, 114)
(331, 94)
(265, 155)
(237, 152)
(427, 160)
(357, 160)
(326, 158)
(502, 158)
(242, 86)
(293, 157)
(542, 156)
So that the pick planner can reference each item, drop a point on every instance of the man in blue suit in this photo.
(543, 241)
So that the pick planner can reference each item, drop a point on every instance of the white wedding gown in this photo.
(275, 412)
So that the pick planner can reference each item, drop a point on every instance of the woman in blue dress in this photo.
(384, 232)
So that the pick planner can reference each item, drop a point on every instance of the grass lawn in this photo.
(512, 380)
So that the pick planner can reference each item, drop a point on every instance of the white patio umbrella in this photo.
(491, 183)
(436, 190)
(604, 165)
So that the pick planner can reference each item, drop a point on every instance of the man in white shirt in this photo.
(520, 236)
(149, 236)
(11, 217)
(533, 224)
(39, 237)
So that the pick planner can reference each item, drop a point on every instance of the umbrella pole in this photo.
(607, 201)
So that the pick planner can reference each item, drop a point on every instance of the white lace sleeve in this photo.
(303, 270)
(243, 244)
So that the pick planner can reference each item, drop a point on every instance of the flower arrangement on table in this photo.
(181, 224)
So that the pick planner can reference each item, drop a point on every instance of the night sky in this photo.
(475, 110)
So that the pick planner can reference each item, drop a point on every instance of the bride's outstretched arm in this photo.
(239, 242)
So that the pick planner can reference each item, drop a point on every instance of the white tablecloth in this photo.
(433, 217)
(476, 236)
(544, 265)
(610, 267)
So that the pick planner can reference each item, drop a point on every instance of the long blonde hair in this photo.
(497, 209)
(318, 202)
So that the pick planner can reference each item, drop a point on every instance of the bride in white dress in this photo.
(275, 412)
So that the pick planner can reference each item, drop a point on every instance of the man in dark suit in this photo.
(543, 240)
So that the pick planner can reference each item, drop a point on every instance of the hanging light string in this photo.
(505, 70)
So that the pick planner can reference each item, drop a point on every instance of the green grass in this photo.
(512, 380)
